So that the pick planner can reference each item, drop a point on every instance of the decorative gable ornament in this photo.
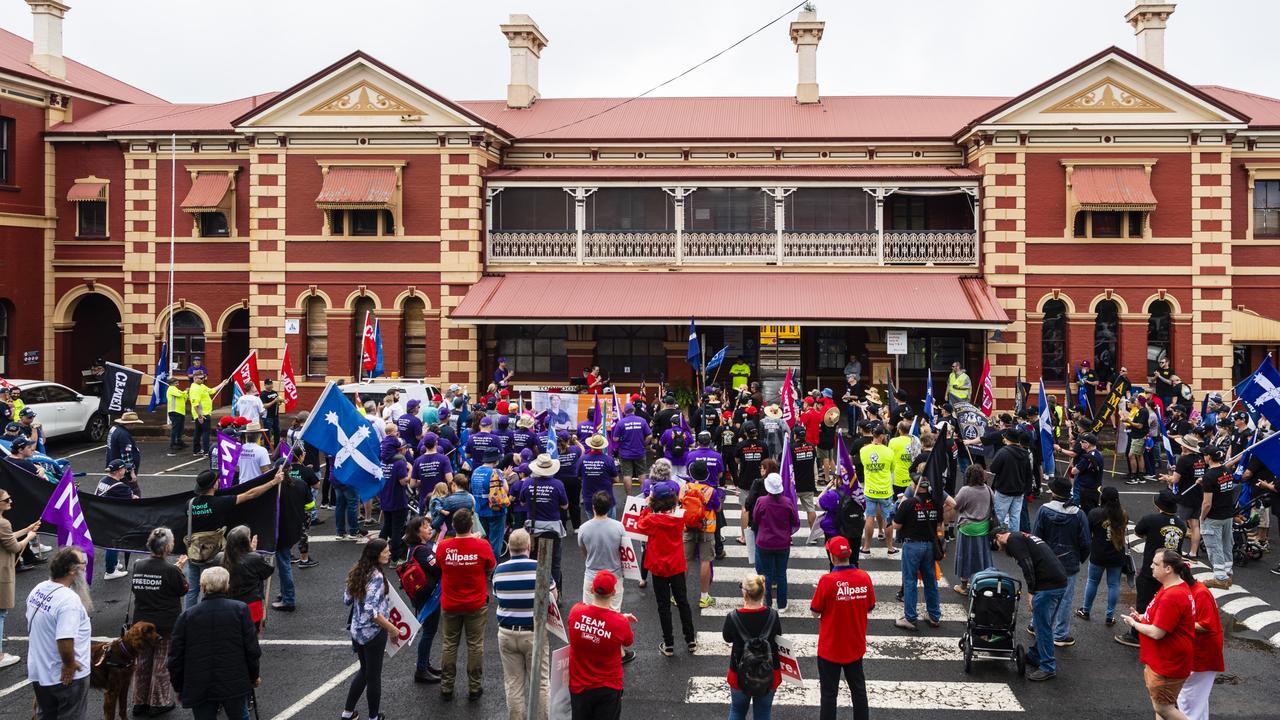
(364, 98)
(1108, 95)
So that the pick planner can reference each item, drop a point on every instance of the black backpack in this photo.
(756, 666)
(850, 516)
(679, 442)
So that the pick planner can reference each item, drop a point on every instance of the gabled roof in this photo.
(1264, 112)
(16, 50)
(361, 57)
(150, 119)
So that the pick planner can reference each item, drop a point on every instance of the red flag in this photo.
(369, 345)
(287, 382)
(247, 372)
(988, 395)
(790, 413)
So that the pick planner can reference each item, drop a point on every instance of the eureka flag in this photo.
(336, 429)
(1046, 432)
(64, 511)
(1262, 393)
(694, 356)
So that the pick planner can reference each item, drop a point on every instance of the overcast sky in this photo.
(216, 50)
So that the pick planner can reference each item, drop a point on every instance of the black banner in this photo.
(1118, 390)
(125, 524)
(119, 389)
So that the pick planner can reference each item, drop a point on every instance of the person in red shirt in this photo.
(465, 563)
(1206, 661)
(842, 601)
(597, 634)
(664, 559)
(811, 419)
(1167, 630)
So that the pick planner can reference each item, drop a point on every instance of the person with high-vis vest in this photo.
(959, 386)
(740, 372)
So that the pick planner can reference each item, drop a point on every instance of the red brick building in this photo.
(1113, 212)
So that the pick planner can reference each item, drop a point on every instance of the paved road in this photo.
(918, 676)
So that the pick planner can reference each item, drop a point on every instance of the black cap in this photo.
(1089, 438)
(704, 438)
(19, 443)
(117, 464)
(1214, 453)
(1166, 500)
(698, 470)
(1006, 418)
(206, 479)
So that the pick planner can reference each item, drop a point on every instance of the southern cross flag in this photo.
(337, 430)
(915, 426)
(1046, 432)
(368, 344)
(718, 358)
(928, 396)
(844, 466)
(1268, 452)
(228, 449)
(1262, 394)
(64, 511)
(1164, 436)
(160, 386)
(695, 350)
(790, 411)
(988, 401)
(288, 383)
(789, 476)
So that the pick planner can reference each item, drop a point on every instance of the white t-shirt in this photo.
(250, 406)
(392, 412)
(54, 612)
(252, 458)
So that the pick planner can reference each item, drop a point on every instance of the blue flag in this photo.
(718, 358)
(160, 387)
(1164, 437)
(928, 396)
(1268, 452)
(1082, 394)
(377, 341)
(1262, 393)
(1046, 432)
(337, 430)
(695, 350)
(553, 449)
(915, 426)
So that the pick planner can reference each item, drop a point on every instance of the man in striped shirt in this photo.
(514, 584)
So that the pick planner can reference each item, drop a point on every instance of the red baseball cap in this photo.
(808, 401)
(503, 393)
(605, 582)
(839, 547)
(635, 397)
(751, 410)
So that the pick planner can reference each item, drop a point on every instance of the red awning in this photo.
(1112, 188)
(902, 299)
(207, 192)
(357, 188)
(88, 190)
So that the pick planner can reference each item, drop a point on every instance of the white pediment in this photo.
(1113, 91)
(359, 94)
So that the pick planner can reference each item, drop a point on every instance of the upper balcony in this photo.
(681, 225)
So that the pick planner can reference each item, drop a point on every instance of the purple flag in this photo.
(64, 511)
(844, 466)
(789, 476)
(228, 455)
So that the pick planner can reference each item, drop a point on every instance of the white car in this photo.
(63, 411)
(376, 390)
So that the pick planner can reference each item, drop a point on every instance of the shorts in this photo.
(880, 506)
(1188, 513)
(631, 468)
(1163, 690)
(699, 543)
(805, 501)
(1137, 446)
(829, 454)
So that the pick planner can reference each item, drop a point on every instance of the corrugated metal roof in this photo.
(83, 191)
(1263, 111)
(207, 191)
(151, 119)
(357, 187)
(736, 172)
(1248, 326)
(15, 51)
(906, 299)
(1104, 187)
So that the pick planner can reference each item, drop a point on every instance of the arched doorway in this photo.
(235, 341)
(95, 334)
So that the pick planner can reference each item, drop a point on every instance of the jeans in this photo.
(829, 684)
(272, 425)
(740, 701)
(1062, 618)
(515, 650)
(454, 625)
(1113, 587)
(235, 708)
(772, 564)
(917, 556)
(393, 531)
(1009, 510)
(344, 516)
(665, 588)
(495, 527)
(111, 560)
(200, 435)
(1217, 541)
(368, 679)
(1044, 606)
(176, 421)
(426, 638)
(288, 594)
(3, 613)
(193, 584)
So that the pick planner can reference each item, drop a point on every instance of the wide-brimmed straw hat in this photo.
(831, 417)
(597, 442)
(544, 466)
(129, 418)
(773, 411)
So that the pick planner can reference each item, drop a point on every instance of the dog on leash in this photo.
(113, 663)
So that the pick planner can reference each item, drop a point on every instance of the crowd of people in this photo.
(471, 490)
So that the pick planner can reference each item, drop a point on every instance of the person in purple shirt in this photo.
(524, 437)
(481, 441)
(409, 423)
(598, 472)
(571, 452)
(588, 427)
(631, 434)
(502, 374)
(708, 454)
(519, 505)
(196, 366)
(432, 466)
(546, 499)
(676, 442)
(507, 438)
(394, 496)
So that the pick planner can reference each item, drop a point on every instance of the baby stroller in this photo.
(1244, 525)
(990, 631)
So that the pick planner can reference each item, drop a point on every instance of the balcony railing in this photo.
(932, 247)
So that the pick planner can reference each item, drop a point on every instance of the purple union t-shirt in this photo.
(544, 496)
(630, 433)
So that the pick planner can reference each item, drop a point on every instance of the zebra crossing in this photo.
(899, 661)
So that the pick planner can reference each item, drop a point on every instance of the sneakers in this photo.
(1067, 641)
(693, 647)
(1082, 614)
(706, 601)
(666, 649)
(1134, 480)
(115, 574)
(343, 537)
(1111, 622)
(1211, 583)
(1031, 629)
(960, 590)
(1127, 639)
(308, 563)
(1040, 675)
(10, 659)
(628, 656)
(904, 624)
(282, 607)
(937, 622)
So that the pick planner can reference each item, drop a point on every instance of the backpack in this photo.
(499, 497)
(849, 515)
(756, 666)
(413, 578)
(679, 443)
(694, 504)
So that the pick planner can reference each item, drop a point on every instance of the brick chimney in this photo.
(46, 37)
(526, 42)
(806, 32)
(1149, 21)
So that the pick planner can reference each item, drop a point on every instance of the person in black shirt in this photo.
(666, 417)
(1162, 383)
(158, 587)
(209, 512)
(1185, 482)
(1046, 581)
(746, 456)
(417, 537)
(857, 442)
(1216, 511)
(804, 461)
(1160, 530)
(916, 526)
(271, 401)
(21, 450)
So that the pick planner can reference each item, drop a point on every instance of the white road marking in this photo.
(318, 693)
(82, 452)
(881, 694)
(805, 576)
(813, 552)
(14, 687)
(1232, 607)
(163, 475)
(190, 462)
(733, 530)
(799, 610)
(879, 647)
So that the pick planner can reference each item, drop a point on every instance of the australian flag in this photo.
(64, 511)
(336, 429)
(160, 386)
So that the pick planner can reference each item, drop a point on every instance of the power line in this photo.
(664, 83)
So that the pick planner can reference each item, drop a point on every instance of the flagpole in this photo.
(173, 214)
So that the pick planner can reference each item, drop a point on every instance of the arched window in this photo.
(632, 351)
(534, 349)
(1159, 334)
(1106, 340)
(1053, 341)
(363, 306)
(415, 338)
(4, 337)
(316, 332)
(188, 339)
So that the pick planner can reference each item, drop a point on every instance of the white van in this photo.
(376, 390)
